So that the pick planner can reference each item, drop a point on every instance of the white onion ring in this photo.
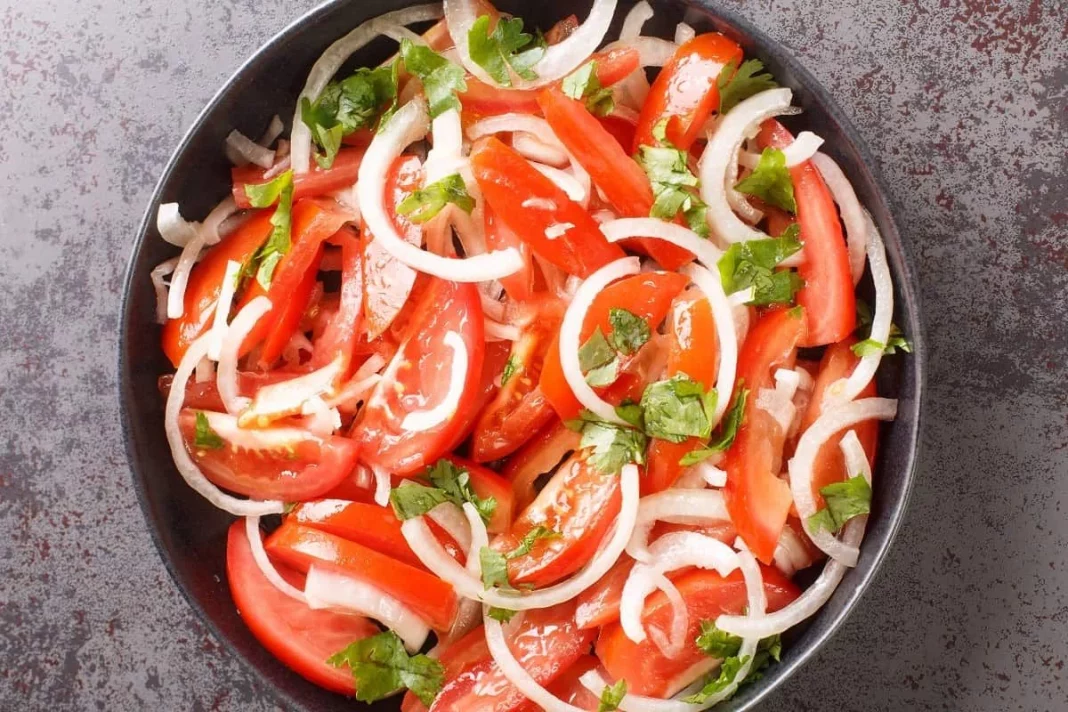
(435, 416)
(726, 334)
(524, 123)
(712, 475)
(230, 352)
(180, 278)
(626, 228)
(595, 683)
(222, 307)
(853, 217)
(241, 150)
(533, 148)
(227, 428)
(802, 148)
(684, 33)
(259, 554)
(448, 147)
(451, 518)
(652, 51)
(277, 400)
(678, 506)
(470, 612)
(158, 273)
(635, 20)
(322, 419)
(565, 182)
(672, 644)
(738, 201)
(382, 485)
(172, 227)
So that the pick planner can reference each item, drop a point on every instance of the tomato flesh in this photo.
(316, 181)
(540, 455)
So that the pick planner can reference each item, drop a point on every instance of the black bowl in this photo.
(190, 534)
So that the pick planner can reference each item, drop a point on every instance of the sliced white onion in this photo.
(323, 420)
(565, 182)
(557, 62)
(726, 334)
(652, 51)
(683, 33)
(353, 392)
(524, 123)
(790, 553)
(273, 131)
(712, 475)
(738, 201)
(241, 150)
(180, 278)
(469, 613)
(448, 146)
(626, 228)
(495, 331)
(259, 554)
(677, 506)
(853, 217)
(282, 438)
(277, 400)
(803, 147)
(410, 124)
(205, 371)
(158, 273)
(718, 156)
(186, 467)
(571, 333)
(326, 589)
(230, 352)
(557, 230)
(451, 518)
(635, 19)
(330, 62)
(222, 307)
(432, 417)
(672, 644)
(382, 485)
(595, 683)
(173, 227)
(533, 148)
(218, 221)
(832, 421)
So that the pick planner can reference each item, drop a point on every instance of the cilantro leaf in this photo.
(612, 446)
(728, 670)
(717, 643)
(494, 568)
(738, 83)
(629, 331)
(678, 408)
(752, 264)
(278, 244)
(896, 342)
(512, 366)
(506, 47)
(205, 437)
(381, 666)
(501, 614)
(598, 360)
(450, 483)
(770, 181)
(611, 696)
(583, 84)
(728, 429)
(441, 79)
(844, 500)
(346, 106)
(674, 185)
(529, 539)
(426, 202)
(411, 499)
(264, 195)
(630, 412)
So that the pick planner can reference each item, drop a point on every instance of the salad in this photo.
(531, 382)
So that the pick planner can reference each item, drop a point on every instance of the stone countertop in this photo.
(962, 102)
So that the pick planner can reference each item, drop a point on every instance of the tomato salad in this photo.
(547, 379)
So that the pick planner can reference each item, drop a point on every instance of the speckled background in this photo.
(964, 102)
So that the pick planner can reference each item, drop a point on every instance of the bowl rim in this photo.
(905, 279)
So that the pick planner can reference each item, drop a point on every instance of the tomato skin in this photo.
(619, 177)
(528, 204)
(758, 501)
(487, 483)
(205, 396)
(205, 283)
(341, 330)
(568, 688)
(519, 286)
(317, 181)
(299, 637)
(685, 91)
(300, 547)
(421, 363)
(538, 456)
(828, 297)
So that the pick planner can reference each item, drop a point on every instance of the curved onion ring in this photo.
(678, 506)
(856, 224)
(222, 308)
(726, 334)
(433, 417)
(226, 379)
(525, 123)
(635, 20)
(802, 148)
(625, 228)
(259, 554)
(158, 273)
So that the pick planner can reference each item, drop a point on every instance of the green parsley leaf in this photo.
(770, 181)
(411, 499)
(612, 446)
(629, 331)
(728, 670)
(506, 47)
(425, 203)
(717, 643)
(583, 84)
(611, 696)
(631, 413)
(205, 437)
(598, 360)
(278, 244)
(494, 568)
(264, 195)
(674, 185)
(738, 83)
(512, 366)
(501, 614)
(441, 79)
(528, 540)
(346, 106)
(752, 264)
(896, 342)
(845, 500)
(728, 429)
(678, 408)
(381, 666)
(449, 484)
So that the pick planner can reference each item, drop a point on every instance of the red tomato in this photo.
(298, 636)
(828, 298)
(568, 688)
(299, 547)
(205, 396)
(520, 285)
(317, 181)
(205, 282)
(758, 501)
(547, 642)
(492, 367)
(455, 657)
(528, 204)
(646, 295)
(621, 129)
(562, 30)
(341, 330)
(303, 470)
(487, 483)
(619, 177)
(541, 454)
(418, 378)
(579, 503)
(685, 92)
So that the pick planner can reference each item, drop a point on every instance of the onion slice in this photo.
(230, 351)
(565, 182)
(626, 228)
(278, 400)
(241, 150)
(172, 227)
(635, 19)
(677, 506)
(533, 148)
(802, 148)
(158, 273)
(856, 223)
(433, 417)
(516, 674)
(726, 334)
(259, 554)
(683, 33)
(524, 123)
(448, 135)
(222, 307)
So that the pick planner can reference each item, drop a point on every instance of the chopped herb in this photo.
(425, 203)
(381, 666)
(611, 696)
(513, 366)
(728, 670)
(717, 643)
(494, 568)
(528, 540)
(264, 195)
(629, 331)
(728, 429)
(896, 342)
(738, 83)
(278, 243)
(598, 360)
(501, 614)
(348, 105)
(845, 500)
(770, 181)
(769, 649)
(630, 412)
(204, 436)
(674, 185)
(583, 84)
(441, 78)
(752, 264)
(612, 446)
(506, 47)
(411, 499)
(678, 408)
(449, 484)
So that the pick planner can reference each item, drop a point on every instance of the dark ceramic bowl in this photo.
(190, 533)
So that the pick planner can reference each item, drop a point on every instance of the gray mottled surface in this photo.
(964, 103)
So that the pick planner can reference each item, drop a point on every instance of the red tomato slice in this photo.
(205, 396)
(303, 470)
(579, 503)
(568, 688)
(619, 177)
(299, 637)
(758, 501)
(487, 483)
(299, 547)
(541, 454)
(520, 285)
(341, 330)
(317, 181)
(645, 295)
(528, 204)
(707, 595)
(205, 283)
(685, 92)
(828, 297)
(418, 378)
(455, 657)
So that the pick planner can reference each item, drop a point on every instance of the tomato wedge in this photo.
(645, 295)
(487, 483)
(758, 501)
(568, 688)
(685, 92)
(298, 636)
(303, 469)
(419, 378)
(579, 503)
(300, 547)
(528, 204)
(520, 285)
(707, 595)
(317, 181)
(828, 297)
(341, 331)
(205, 396)
(540, 455)
(205, 283)
(620, 178)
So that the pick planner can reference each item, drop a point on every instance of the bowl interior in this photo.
(190, 533)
